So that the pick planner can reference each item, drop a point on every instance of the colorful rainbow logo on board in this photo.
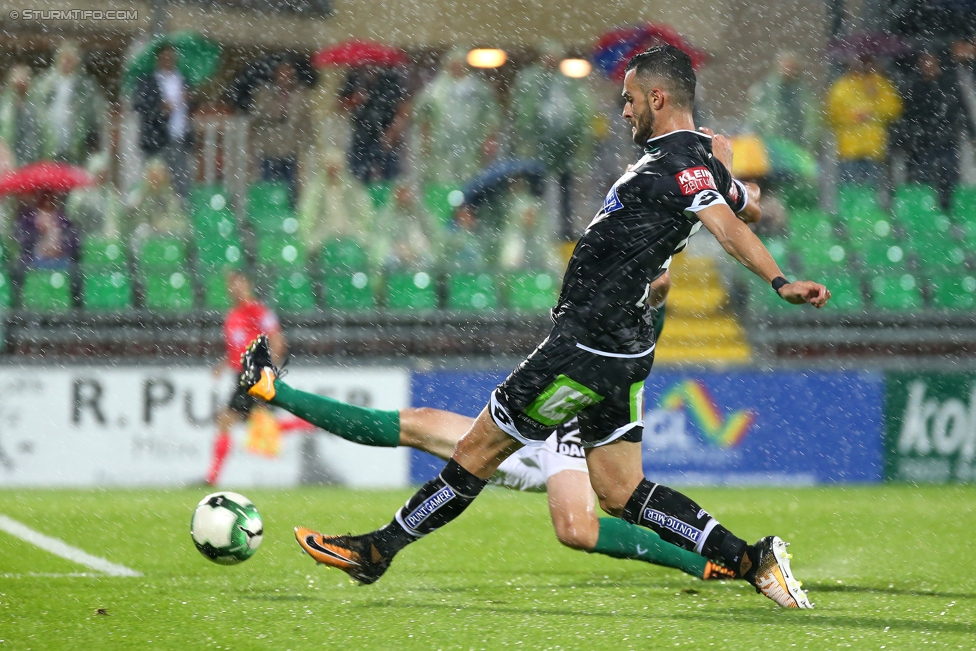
(694, 395)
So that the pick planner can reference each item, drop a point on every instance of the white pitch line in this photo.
(63, 549)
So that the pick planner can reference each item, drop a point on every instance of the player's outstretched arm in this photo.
(722, 150)
(742, 244)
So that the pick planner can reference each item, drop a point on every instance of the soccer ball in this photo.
(226, 528)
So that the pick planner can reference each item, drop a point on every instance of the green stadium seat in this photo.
(349, 291)
(531, 291)
(896, 292)
(916, 209)
(845, 292)
(964, 204)
(933, 227)
(102, 253)
(210, 222)
(215, 294)
(168, 291)
(883, 256)
(268, 196)
(280, 252)
(342, 255)
(800, 196)
(411, 291)
(208, 197)
(293, 292)
(219, 254)
(855, 199)
(954, 291)
(162, 252)
(821, 256)
(914, 198)
(811, 224)
(864, 227)
(471, 291)
(6, 295)
(106, 291)
(380, 193)
(269, 209)
(940, 255)
(46, 291)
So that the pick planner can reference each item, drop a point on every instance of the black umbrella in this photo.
(496, 176)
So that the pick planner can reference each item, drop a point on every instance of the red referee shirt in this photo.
(242, 325)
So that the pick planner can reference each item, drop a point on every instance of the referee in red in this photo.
(245, 321)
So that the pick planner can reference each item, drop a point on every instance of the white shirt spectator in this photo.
(174, 95)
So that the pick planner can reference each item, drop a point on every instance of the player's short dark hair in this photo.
(673, 66)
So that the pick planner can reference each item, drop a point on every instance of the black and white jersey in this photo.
(648, 216)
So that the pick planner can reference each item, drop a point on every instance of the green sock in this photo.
(621, 539)
(356, 424)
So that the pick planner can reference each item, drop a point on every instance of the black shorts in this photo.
(241, 401)
(561, 379)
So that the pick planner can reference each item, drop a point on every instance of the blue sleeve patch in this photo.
(612, 201)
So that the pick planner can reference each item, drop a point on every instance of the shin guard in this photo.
(436, 503)
(675, 517)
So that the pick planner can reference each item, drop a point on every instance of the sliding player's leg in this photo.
(438, 502)
(574, 519)
(430, 430)
(618, 479)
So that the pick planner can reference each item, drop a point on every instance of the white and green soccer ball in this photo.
(226, 528)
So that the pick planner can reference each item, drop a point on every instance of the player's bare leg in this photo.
(617, 478)
(571, 507)
(433, 430)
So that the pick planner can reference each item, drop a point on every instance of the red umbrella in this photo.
(615, 48)
(359, 53)
(45, 175)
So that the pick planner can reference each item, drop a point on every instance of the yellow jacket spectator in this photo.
(860, 106)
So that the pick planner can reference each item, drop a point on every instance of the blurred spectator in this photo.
(162, 100)
(154, 207)
(934, 126)
(70, 108)
(783, 106)
(464, 247)
(47, 238)
(334, 205)
(860, 105)
(98, 209)
(280, 127)
(456, 120)
(528, 236)
(374, 98)
(552, 117)
(404, 237)
(19, 130)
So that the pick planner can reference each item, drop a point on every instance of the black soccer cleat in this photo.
(771, 575)
(258, 371)
(357, 556)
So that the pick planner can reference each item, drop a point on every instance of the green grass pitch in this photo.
(889, 567)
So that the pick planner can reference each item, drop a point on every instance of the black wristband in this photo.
(778, 283)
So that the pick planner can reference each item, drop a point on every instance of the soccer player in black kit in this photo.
(594, 362)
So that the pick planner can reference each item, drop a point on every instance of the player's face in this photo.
(637, 110)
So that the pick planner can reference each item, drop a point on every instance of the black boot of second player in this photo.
(365, 558)
(354, 555)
